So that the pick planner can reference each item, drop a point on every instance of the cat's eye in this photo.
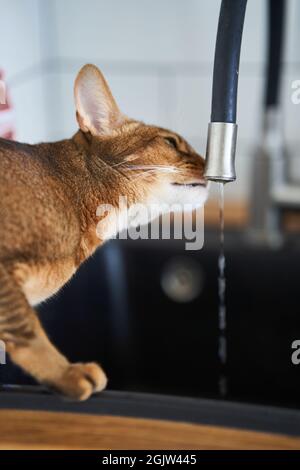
(171, 141)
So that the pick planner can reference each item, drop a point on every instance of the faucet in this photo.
(272, 190)
(222, 130)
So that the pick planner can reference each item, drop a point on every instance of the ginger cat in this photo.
(49, 194)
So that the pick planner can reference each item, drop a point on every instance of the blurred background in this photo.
(124, 308)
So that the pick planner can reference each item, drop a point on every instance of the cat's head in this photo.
(154, 164)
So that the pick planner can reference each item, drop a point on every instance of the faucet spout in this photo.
(220, 152)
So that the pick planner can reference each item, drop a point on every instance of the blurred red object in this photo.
(7, 122)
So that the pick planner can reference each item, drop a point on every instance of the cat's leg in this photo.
(29, 347)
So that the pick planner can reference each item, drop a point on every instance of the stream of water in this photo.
(222, 340)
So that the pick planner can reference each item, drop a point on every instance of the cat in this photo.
(49, 195)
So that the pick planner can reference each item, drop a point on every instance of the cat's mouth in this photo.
(191, 185)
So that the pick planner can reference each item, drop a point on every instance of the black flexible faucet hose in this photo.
(276, 20)
(227, 58)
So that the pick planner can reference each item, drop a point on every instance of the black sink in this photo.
(125, 310)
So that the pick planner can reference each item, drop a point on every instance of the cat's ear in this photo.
(96, 109)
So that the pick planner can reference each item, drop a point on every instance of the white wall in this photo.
(20, 52)
(157, 57)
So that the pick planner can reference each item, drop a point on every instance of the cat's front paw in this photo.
(80, 381)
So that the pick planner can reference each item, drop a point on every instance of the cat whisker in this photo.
(162, 168)
(118, 164)
(144, 175)
(130, 158)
